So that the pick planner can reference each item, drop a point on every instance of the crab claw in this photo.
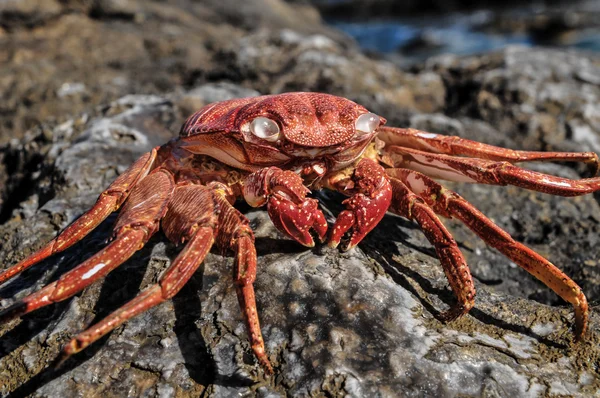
(290, 210)
(297, 220)
(366, 207)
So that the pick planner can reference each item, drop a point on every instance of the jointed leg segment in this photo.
(451, 205)
(482, 171)
(453, 145)
(244, 276)
(195, 214)
(172, 281)
(133, 229)
(198, 216)
(290, 210)
(411, 152)
(370, 198)
(109, 201)
(413, 207)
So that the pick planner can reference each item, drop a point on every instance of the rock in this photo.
(360, 323)
(48, 74)
(289, 61)
(562, 24)
(542, 99)
(362, 9)
(27, 12)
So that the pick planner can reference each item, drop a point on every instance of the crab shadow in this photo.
(120, 286)
(188, 309)
(381, 246)
(126, 278)
(34, 323)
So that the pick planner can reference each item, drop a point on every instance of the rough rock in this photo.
(361, 9)
(542, 99)
(48, 73)
(361, 323)
(565, 23)
(358, 323)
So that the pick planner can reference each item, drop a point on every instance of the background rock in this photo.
(358, 323)
(121, 47)
(361, 9)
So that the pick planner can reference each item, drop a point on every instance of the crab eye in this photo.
(265, 128)
(367, 123)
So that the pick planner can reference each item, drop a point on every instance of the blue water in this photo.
(455, 34)
(458, 39)
(379, 36)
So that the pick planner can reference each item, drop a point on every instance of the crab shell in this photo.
(318, 128)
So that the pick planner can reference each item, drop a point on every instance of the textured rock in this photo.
(357, 323)
(543, 99)
(48, 74)
(360, 9)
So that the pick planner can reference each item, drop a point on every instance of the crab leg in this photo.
(137, 222)
(109, 201)
(482, 171)
(244, 276)
(453, 145)
(171, 282)
(233, 231)
(236, 232)
(450, 204)
(409, 205)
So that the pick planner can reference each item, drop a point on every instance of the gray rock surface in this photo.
(361, 323)
(542, 99)
(358, 323)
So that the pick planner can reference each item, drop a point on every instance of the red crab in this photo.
(272, 150)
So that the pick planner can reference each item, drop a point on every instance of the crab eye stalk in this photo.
(265, 129)
(367, 123)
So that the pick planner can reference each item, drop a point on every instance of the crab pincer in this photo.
(372, 195)
(290, 210)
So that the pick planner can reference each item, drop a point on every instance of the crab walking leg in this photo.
(137, 222)
(371, 195)
(175, 277)
(453, 145)
(289, 209)
(109, 201)
(244, 276)
(451, 205)
(407, 204)
(233, 230)
(482, 171)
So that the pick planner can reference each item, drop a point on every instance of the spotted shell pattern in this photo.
(306, 119)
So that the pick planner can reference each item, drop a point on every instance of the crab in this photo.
(273, 150)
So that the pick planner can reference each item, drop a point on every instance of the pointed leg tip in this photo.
(579, 334)
(268, 369)
(348, 247)
(60, 361)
